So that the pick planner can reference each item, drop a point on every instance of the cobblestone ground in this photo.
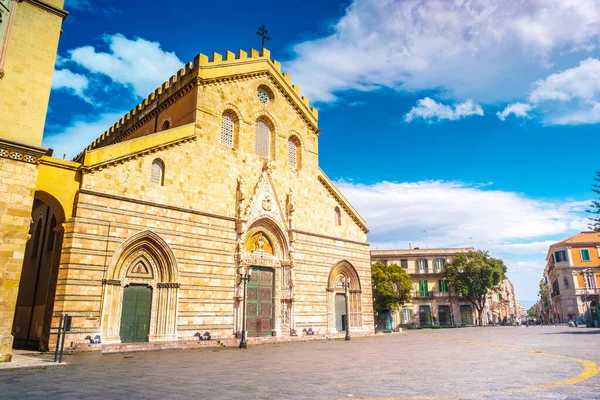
(496, 362)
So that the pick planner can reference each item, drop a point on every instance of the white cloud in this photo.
(571, 96)
(520, 110)
(74, 138)
(466, 49)
(429, 109)
(70, 81)
(138, 63)
(454, 214)
(580, 82)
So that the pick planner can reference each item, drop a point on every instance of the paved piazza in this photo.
(495, 362)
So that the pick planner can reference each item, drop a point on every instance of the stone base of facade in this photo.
(187, 343)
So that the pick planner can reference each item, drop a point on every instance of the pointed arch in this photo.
(162, 276)
(271, 229)
(343, 269)
(155, 247)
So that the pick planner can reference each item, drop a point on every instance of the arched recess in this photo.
(147, 251)
(39, 274)
(263, 247)
(340, 271)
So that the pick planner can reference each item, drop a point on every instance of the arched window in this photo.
(36, 239)
(166, 125)
(227, 128)
(294, 157)
(158, 172)
(263, 139)
(338, 216)
(566, 282)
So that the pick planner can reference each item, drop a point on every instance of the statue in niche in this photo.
(291, 208)
(259, 245)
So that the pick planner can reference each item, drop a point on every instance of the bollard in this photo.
(58, 338)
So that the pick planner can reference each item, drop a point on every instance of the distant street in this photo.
(491, 362)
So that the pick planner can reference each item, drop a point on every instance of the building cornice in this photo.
(47, 7)
(20, 151)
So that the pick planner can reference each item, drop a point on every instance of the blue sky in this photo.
(446, 123)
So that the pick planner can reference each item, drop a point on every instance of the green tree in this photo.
(391, 286)
(531, 311)
(595, 206)
(472, 274)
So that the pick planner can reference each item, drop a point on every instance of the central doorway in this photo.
(259, 307)
(135, 318)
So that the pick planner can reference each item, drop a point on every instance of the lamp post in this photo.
(244, 274)
(588, 315)
(346, 285)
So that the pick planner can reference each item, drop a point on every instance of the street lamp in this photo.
(346, 286)
(244, 274)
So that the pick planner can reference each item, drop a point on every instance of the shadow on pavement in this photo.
(594, 332)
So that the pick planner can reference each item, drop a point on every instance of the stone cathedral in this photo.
(141, 238)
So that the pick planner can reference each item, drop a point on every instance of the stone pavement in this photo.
(492, 362)
(23, 359)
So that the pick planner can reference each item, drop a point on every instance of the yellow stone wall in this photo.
(28, 68)
(17, 183)
(24, 93)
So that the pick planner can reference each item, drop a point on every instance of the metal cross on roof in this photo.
(262, 32)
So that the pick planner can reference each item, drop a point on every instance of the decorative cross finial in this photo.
(262, 32)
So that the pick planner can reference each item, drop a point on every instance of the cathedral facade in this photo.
(144, 235)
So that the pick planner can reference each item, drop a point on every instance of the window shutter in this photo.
(292, 162)
(227, 126)
(4, 10)
(585, 255)
(421, 287)
(263, 139)
(425, 287)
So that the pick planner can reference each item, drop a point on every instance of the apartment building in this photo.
(572, 276)
(432, 304)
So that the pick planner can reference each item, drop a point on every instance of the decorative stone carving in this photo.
(264, 202)
(167, 285)
(267, 202)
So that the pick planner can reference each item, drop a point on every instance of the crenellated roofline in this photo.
(204, 71)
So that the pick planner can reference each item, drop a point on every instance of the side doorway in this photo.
(135, 316)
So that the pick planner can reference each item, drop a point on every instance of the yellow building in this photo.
(29, 32)
(143, 236)
(432, 304)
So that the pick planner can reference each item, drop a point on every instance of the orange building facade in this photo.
(572, 276)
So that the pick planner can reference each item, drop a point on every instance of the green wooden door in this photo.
(340, 312)
(259, 303)
(135, 318)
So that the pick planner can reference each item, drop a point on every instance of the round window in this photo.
(263, 96)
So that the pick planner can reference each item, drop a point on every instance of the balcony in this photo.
(587, 291)
(429, 295)
(423, 295)
(428, 271)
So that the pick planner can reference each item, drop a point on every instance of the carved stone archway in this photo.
(144, 258)
(264, 244)
(340, 271)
